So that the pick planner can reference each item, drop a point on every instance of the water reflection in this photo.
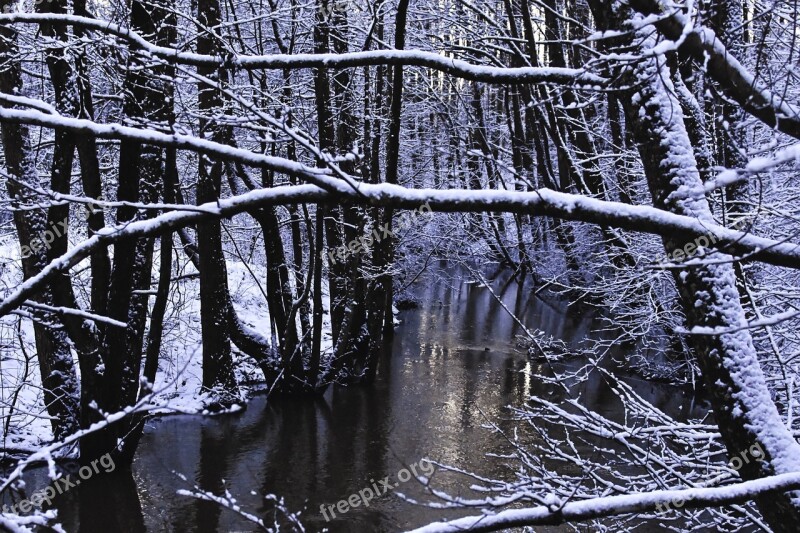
(454, 367)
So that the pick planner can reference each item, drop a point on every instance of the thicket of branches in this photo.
(155, 148)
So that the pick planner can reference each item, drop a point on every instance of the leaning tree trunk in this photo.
(742, 404)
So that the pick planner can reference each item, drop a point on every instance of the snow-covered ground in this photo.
(178, 382)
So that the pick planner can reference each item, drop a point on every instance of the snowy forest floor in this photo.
(25, 425)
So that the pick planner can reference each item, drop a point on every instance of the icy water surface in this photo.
(454, 368)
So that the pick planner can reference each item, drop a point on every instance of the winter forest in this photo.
(399, 265)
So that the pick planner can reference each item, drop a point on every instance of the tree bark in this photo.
(742, 404)
(218, 370)
(59, 380)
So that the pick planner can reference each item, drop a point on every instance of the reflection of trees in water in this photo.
(213, 470)
(430, 399)
(109, 503)
(317, 449)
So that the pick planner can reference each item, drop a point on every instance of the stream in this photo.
(455, 366)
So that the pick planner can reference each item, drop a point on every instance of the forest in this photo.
(390, 265)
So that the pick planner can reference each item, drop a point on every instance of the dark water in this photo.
(454, 368)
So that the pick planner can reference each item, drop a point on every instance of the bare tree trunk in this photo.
(351, 339)
(100, 263)
(156, 331)
(332, 215)
(59, 381)
(66, 88)
(250, 342)
(315, 362)
(140, 180)
(218, 370)
(379, 311)
(728, 22)
(376, 292)
(84, 334)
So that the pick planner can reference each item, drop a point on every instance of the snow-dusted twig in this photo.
(453, 67)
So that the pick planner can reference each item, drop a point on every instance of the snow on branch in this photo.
(757, 165)
(176, 140)
(735, 80)
(543, 202)
(418, 58)
(559, 512)
(61, 311)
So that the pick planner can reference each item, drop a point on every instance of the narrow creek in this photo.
(455, 367)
